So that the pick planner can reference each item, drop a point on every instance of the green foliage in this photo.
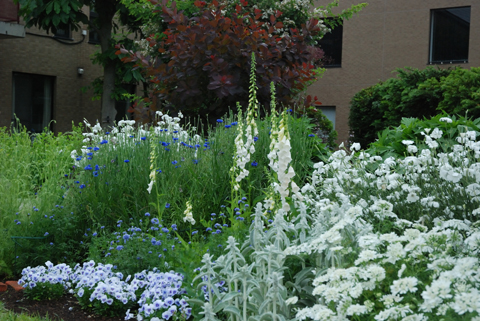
(53, 15)
(386, 103)
(44, 291)
(32, 181)
(460, 92)
(389, 141)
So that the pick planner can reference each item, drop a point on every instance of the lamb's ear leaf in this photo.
(233, 310)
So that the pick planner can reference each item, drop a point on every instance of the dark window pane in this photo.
(331, 44)
(63, 31)
(92, 34)
(450, 34)
(33, 100)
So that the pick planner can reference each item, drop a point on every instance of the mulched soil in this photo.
(57, 309)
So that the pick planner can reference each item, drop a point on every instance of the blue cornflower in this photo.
(223, 206)
(174, 227)
(126, 161)
(244, 198)
(89, 157)
(238, 213)
(94, 234)
(131, 136)
(82, 186)
(88, 167)
(228, 126)
(208, 229)
(195, 161)
(147, 214)
(213, 214)
(167, 205)
(174, 162)
(79, 158)
(234, 123)
(270, 221)
(311, 135)
(159, 171)
(95, 148)
(143, 138)
(66, 175)
(155, 221)
(97, 167)
(254, 164)
(290, 110)
(95, 174)
(120, 247)
(175, 131)
(89, 154)
(167, 149)
(219, 121)
(165, 230)
(255, 138)
(107, 133)
(194, 232)
(46, 233)
(103, 142)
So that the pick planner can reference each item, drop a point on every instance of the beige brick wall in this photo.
(386, 35)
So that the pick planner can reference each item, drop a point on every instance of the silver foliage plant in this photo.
(255, 288)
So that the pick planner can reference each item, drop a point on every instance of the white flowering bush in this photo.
(395, 238)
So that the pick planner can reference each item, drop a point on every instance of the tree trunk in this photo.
(106, 10)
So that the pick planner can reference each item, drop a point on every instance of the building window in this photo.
(33, 100)
(93, 36)
(449, 35)
(63, 31)
(329, 112)
(331, 44)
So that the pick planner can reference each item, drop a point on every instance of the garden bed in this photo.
(66, 308)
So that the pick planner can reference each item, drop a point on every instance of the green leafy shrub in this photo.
(389, 141)
(386, 103)
(460, 92)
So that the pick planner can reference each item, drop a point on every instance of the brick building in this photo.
(390, 34)
(41, 75)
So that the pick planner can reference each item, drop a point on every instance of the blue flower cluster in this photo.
(162, 296)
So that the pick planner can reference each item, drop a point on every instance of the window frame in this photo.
(336, 25)
(68, 32)
(47, 110)
(431, 48)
